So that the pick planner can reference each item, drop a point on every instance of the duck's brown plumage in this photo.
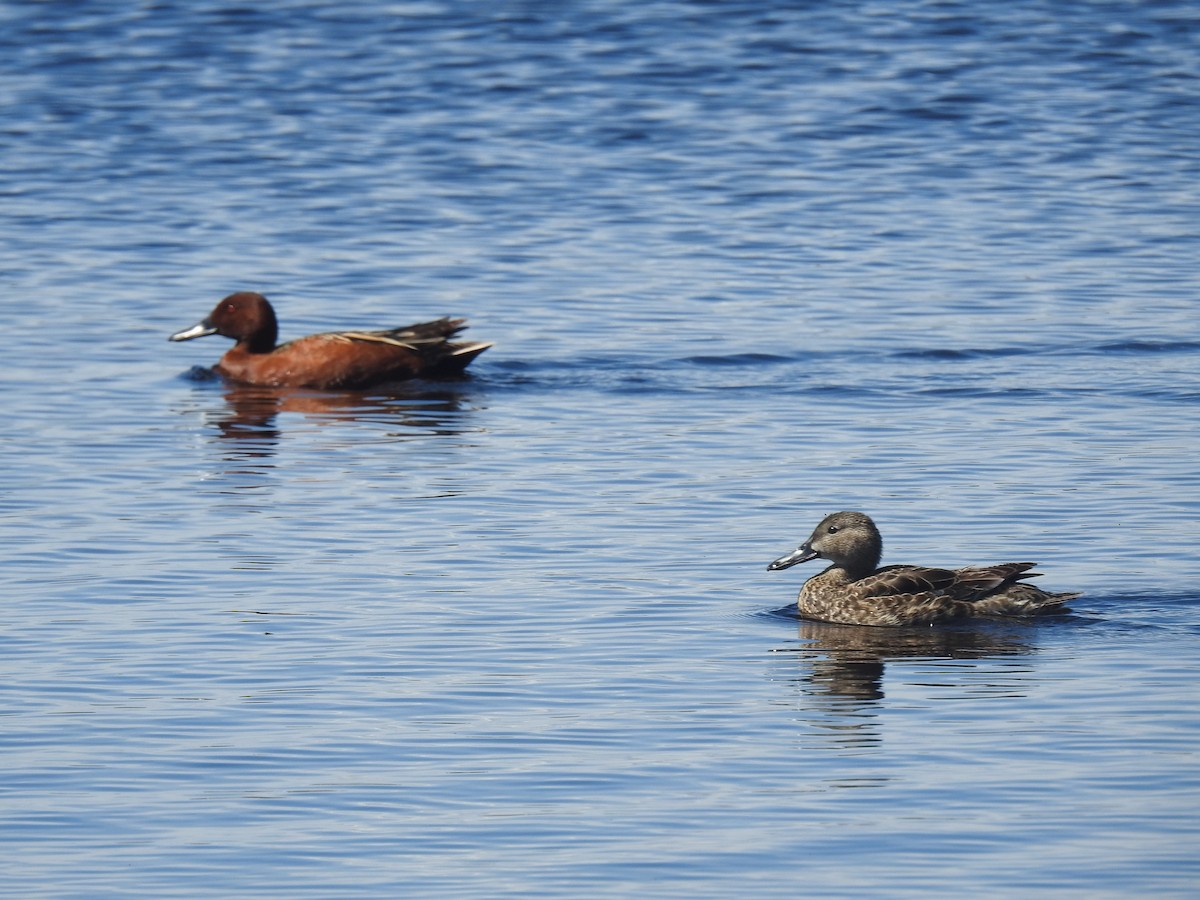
(855, 591)
(334, 360)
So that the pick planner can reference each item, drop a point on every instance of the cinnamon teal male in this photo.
(331, 361)
(855, 591)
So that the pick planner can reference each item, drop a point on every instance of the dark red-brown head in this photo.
(246, 317)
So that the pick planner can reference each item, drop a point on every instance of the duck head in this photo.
(246, 317)
(847, 539)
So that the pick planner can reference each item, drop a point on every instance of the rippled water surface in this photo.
(514, 635)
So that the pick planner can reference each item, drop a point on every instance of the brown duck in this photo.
(855, 591)
(335, 360)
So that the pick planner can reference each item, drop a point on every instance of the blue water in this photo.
(514, 636)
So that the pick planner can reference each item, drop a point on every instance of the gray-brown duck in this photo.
(855, 591)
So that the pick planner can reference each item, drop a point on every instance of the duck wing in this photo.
(977, 582)
(971, 583)
(901, 580)
(437, 332)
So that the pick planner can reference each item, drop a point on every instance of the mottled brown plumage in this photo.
(855, 591)
(334, 360)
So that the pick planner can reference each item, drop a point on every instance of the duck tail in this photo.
(462, 354)
(1024, 600)
(456, 358)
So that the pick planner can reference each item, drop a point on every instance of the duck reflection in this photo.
(250, 416)
(848, 661)
(841, 669)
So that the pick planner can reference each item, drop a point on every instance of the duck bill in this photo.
(200, 329)
(801, 554)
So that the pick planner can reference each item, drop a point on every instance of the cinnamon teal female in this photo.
(331, 361)
(855, 591)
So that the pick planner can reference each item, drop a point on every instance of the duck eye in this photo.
(833, 529)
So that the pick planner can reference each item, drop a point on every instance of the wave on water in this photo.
(951, 353)
(1144, 346)
(740, 359)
